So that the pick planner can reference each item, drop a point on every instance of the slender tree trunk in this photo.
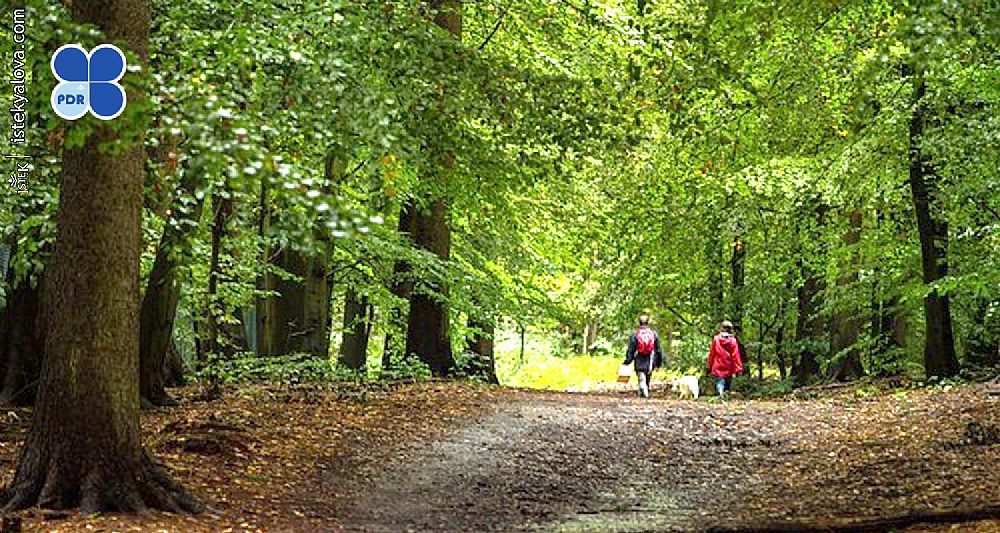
(84, 448)
(716, 290)
(159, 303)
(845, 326)
(357, 328)
(939, 343)
(265, 305)
(173, 367)
(222, 210)
(779, 349)
(23, 328)
(760, 352)
(522, 332)
(887, 318)
(738, 270)
(402, 286)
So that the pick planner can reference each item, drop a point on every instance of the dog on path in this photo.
(687, 386)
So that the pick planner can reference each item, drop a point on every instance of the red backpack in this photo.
(645, 341)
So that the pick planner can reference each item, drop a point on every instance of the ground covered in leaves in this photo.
(441, 456)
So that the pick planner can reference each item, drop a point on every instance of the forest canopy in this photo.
(823, 175)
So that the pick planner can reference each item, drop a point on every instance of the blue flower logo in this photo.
(88, 82)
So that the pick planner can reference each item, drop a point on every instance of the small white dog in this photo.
(686, 385)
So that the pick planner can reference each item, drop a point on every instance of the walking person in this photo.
(724, 359)
(644, 349)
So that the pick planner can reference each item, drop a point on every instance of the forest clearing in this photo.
(440, 456)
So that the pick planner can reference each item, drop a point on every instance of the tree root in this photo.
(158, 400)
(123, 486)
(870, 525)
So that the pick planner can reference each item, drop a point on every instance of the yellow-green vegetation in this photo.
(547, 366)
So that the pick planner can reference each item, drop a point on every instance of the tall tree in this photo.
(939, 342)
(809, 329)
(297, 319)
(84, 448)
(428, 334)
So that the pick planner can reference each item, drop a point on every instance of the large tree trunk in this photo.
(159, 303)
(845, 325)
(21, 350)
(357, 328)
(296, 319)
(939, 343)
(84, 447)
(315, 336)
(428, 335)
(483, 364)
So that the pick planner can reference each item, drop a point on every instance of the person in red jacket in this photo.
(724, 359)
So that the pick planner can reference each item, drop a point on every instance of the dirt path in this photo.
(451, 456)
(568, 462)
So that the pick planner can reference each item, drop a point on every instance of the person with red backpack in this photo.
(724, 358)
(644, 349)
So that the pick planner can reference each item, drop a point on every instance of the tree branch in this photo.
(495, 26)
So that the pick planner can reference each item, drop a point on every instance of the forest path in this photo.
(577, 462)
